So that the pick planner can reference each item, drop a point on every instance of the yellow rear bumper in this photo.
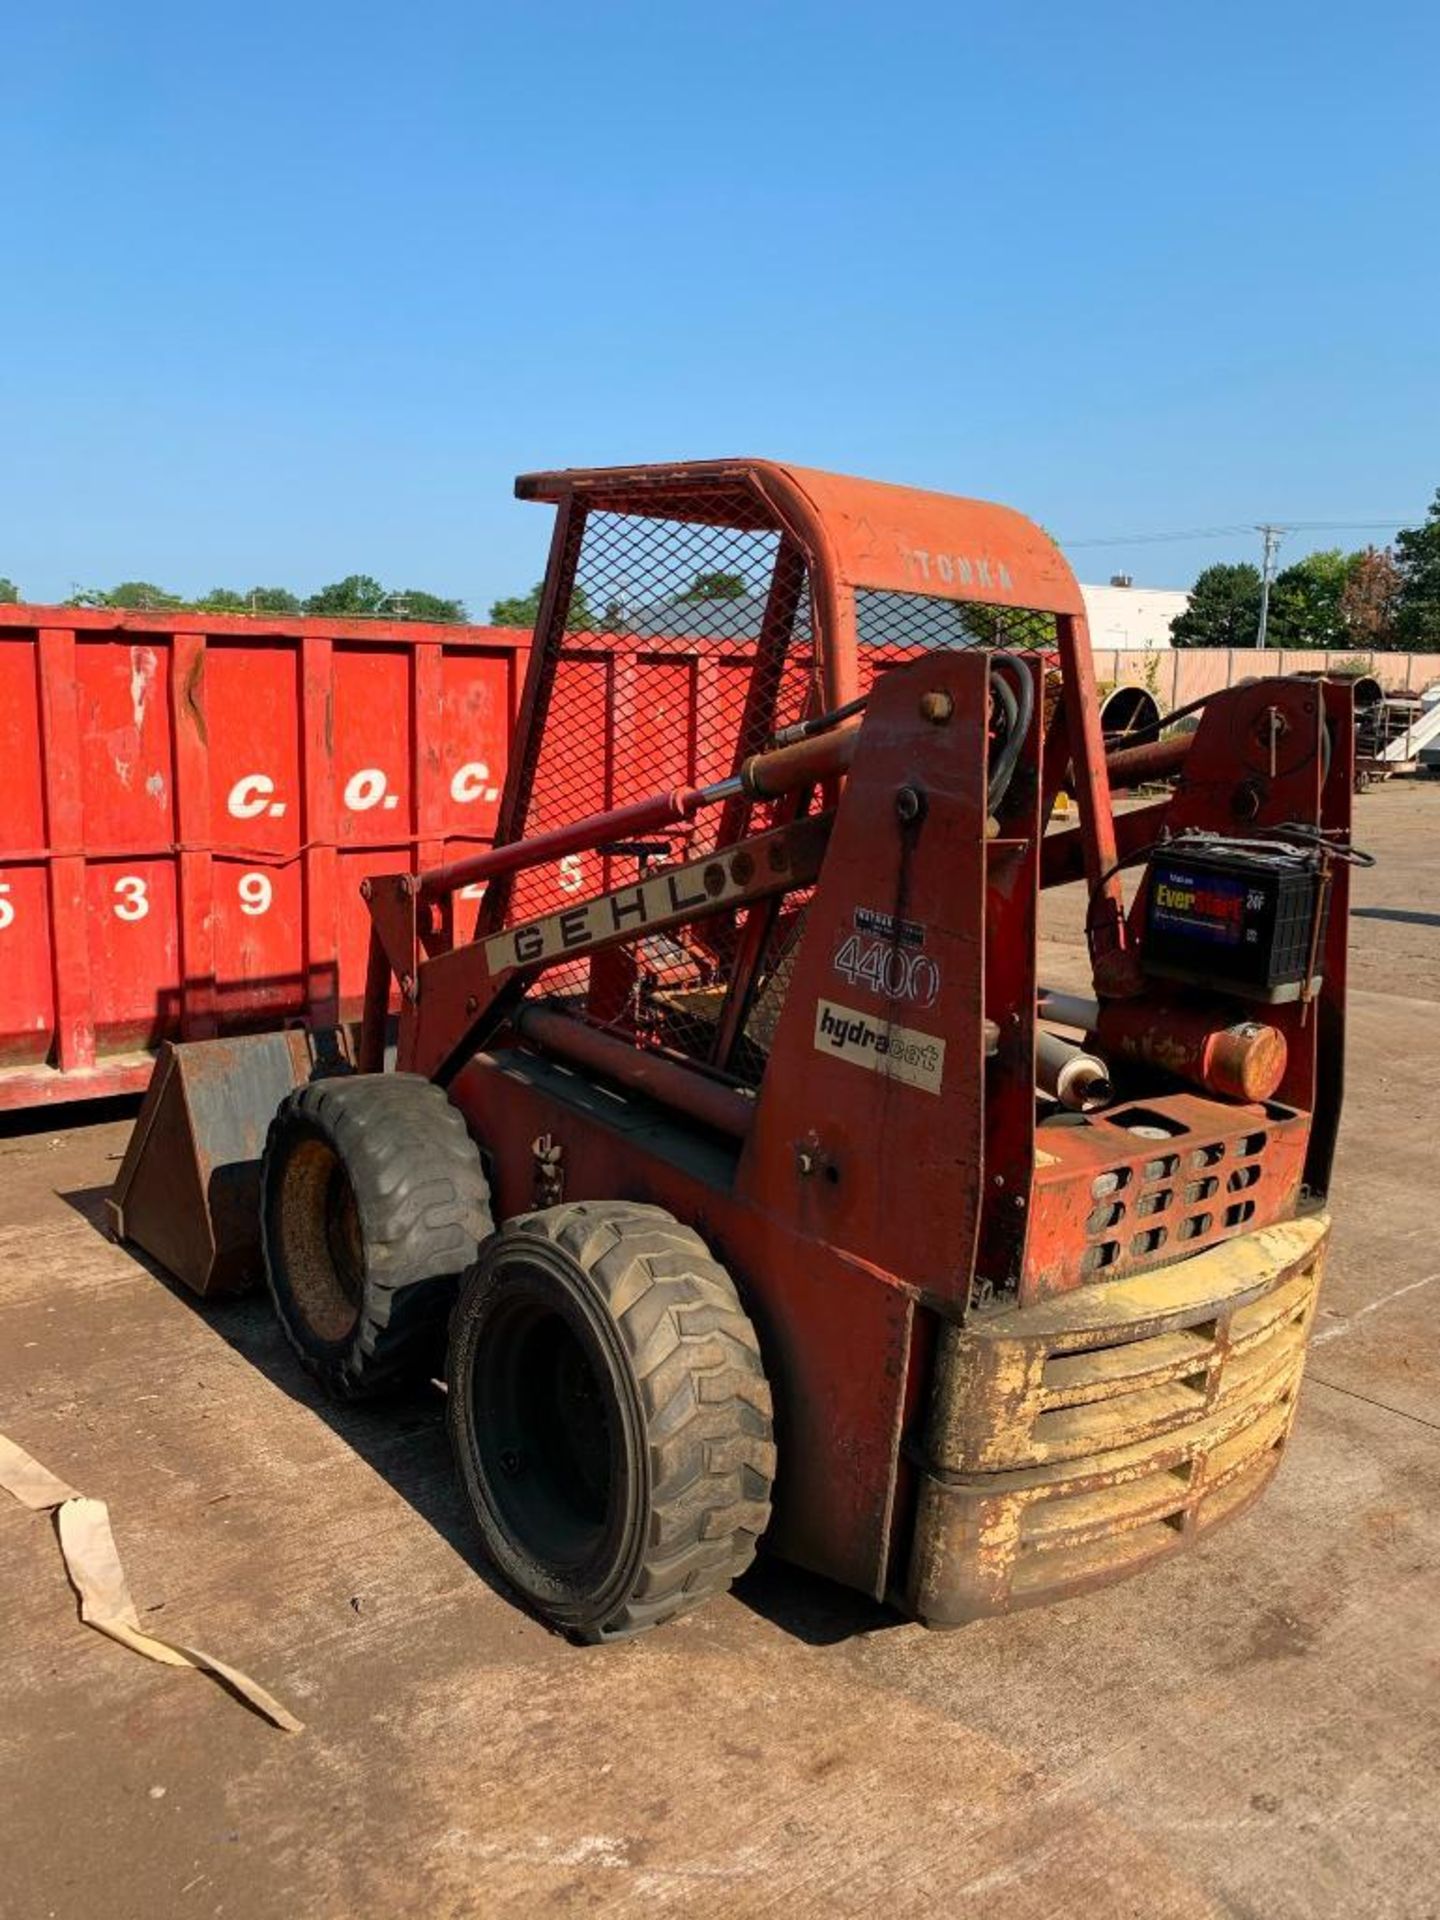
(1074, 1442)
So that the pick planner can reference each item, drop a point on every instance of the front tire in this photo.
(373, 1203)
(610, 1416)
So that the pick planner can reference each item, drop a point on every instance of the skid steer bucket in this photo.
(188, 1190)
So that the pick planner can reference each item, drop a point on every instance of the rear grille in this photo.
(1074, 1441)
(1148, 1186)
(1173, 1201)
(1092, 1401)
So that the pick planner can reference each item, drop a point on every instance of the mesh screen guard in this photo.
(684, 645)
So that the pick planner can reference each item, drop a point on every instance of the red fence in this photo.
(189, 803)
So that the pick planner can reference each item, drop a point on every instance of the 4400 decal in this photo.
(888, 968)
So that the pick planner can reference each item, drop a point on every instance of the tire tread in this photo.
(706, 1402)
(425, 1211)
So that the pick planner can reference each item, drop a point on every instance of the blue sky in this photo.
(296, 290)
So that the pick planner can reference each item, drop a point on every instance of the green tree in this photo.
(271, 600)
(522, 610)
(130, 596)
(1370, 598)
(359, 596)
(9, 592)
(1305, 601)
(717, 586)
(139, 595)
(1012, 627)
(252, 600)
(1224, 609)
(1417, 609)
(413, 604)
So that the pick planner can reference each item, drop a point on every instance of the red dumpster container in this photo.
(189, 803)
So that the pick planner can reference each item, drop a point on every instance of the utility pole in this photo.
(1272, 537)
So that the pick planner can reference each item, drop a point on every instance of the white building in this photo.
(1124, 615)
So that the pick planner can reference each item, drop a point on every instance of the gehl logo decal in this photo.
(674, 895)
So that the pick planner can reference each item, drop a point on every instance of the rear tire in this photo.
(610, 1416)
(373, 1203)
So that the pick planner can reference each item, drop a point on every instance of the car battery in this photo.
(1236, 917)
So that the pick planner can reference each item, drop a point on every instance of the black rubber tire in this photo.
(610, 1416)
(373, 1203)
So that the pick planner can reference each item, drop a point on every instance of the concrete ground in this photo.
(1253, 1730)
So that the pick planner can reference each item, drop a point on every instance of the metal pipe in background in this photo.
(1236, 1059)
(1126, 710)
(1155, 760)
(1069, 1009)
(1077, 1079)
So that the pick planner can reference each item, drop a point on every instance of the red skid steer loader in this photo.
(735, 1164)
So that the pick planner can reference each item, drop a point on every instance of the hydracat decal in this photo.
(900, 1053)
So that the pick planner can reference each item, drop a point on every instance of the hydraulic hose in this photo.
(1019, 704)
(820, 722)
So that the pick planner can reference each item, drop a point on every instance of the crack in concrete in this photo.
(1371, 1306)
(1313, 1379)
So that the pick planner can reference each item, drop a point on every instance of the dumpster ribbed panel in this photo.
(190, 803)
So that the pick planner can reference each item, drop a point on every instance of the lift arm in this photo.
(450, 997)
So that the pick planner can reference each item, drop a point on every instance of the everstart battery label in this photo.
(900, 1053)
(1235, 917)
(1203, 906)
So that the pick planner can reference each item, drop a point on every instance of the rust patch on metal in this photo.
(1073, 1442)
(194, 696)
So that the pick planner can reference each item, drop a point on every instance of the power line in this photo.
(1271, 533)
(1154, 539)
(1217, 533)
